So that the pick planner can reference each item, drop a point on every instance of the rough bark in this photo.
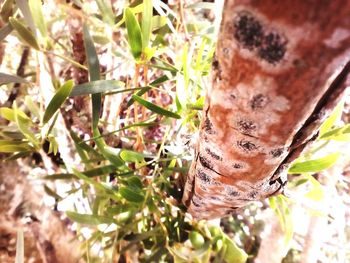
(280, 68)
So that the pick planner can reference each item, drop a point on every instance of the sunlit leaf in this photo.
(131, 156)
(155, 108)
(25, 34)
(146, 22)
(134, 33)
(57, 100)
(315, 165)
(24, 7)
(88, 219)
(38, 17)
(97, 86)
(233, 252)
(333, 118)
(316, 193)
(106, 11)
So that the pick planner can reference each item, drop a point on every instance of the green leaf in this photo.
(52, 193)
(112, 154)
(338, 134)
(333, 118)
(316, 193)
(25, 34)
(135, 182)
(97, 86)
(131, 195)
(5, 31)
(134, 33)
(37, 13)
(197, 240)
(24, 7)
(57, 100)
(142, 91)
(23, 126)
(106, 11)
(158, 22)
(9, 114)
(155, 108)
(88, 219)
(20, 247)
(94, 72)
(314, 166)
(131, 156)
(7, 78)
(233, 252)
(9, 146)
(146, 22)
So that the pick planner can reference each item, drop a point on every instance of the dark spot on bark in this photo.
(195, 203)
(259, 101)
(237, 166)
(215, 64)
(214, 198)
(208, 126)
(205, 162)
(203, 176)
(277, 152)
(214, 155)
(247, 146)
(232, 192)
(253, 194)
(272, 48)
(232, 96)
(251, 34)
(225, 50)
(248, 30)
(246, 126)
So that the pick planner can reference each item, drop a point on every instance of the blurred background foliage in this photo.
(101, 100)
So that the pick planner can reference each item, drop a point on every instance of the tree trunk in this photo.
(280, 67)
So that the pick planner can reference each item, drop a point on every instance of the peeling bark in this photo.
(280, 68)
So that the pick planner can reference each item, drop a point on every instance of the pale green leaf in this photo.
(315, 165)
(37, 13)
(134, 33)
(25, 34)
(97, 86)
(57, 100)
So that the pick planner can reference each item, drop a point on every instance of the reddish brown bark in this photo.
(280, 67)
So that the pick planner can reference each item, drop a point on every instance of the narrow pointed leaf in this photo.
(146, 22)
(58, 99)
(155, 108)
(131, 195)
(314, 166)
(134, 33)
(25, 10)
(25, 34)
(97, 86)
(7, 78)
(333, 118)
(37, 13)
